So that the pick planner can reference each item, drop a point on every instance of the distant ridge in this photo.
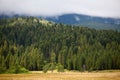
(79, 19)
(88, 21)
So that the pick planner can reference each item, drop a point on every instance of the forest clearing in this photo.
(69, 75)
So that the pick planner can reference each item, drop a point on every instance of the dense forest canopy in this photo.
(33, 43)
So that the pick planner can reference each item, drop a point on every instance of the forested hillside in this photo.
(99, 23)
(36, 44)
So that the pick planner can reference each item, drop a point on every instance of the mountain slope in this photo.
(88, 21)
(78, 19)
(37, 44)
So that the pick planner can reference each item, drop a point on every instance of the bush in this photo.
(52, 66)
(46, 68)
(17, 69)
(23, 70)
(49, 66)
(91, 69)
(60, 68)
(2, 70)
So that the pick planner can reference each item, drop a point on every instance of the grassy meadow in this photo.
(68, 75)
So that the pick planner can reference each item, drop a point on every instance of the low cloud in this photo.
(104, 8)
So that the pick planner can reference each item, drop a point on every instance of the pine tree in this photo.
(52, 59)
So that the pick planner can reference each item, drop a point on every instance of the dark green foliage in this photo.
(33, 43)
(46, 68)
(49, 66)
(60, 68)
(17, 69)
(2, 69)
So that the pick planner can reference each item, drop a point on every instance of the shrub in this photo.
(2, 70)
(60, 68)
(17, 69)
(46, 68)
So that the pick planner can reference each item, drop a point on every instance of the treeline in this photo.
(34, 43)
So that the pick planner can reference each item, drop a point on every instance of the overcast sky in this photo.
(104, 8)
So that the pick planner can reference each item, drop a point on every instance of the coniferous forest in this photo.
(36, 44)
